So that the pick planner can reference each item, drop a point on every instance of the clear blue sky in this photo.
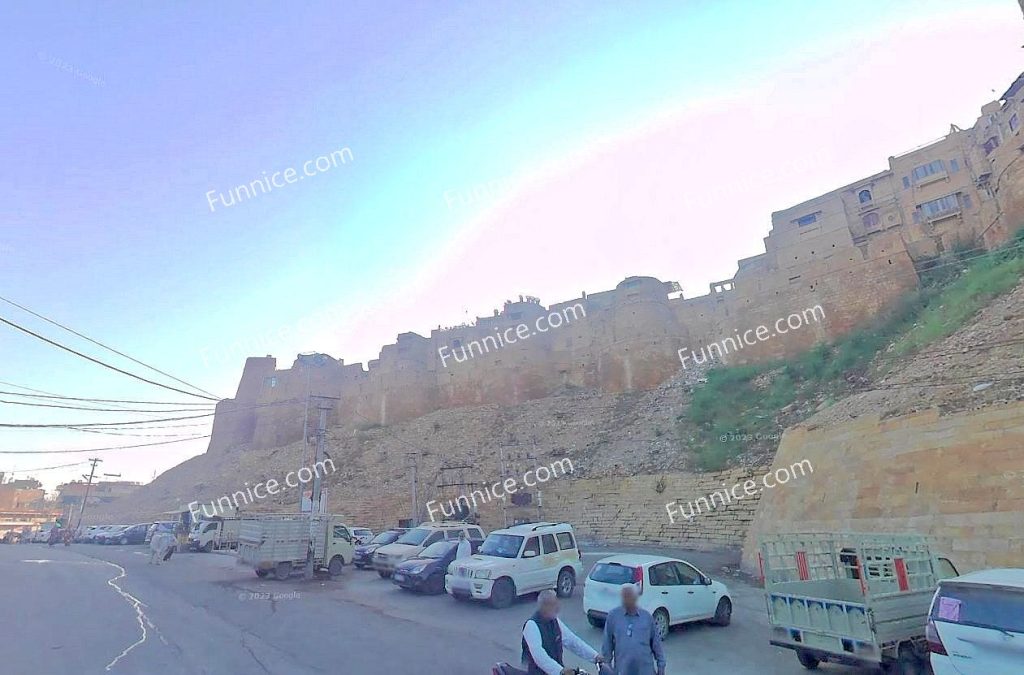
(116, 119)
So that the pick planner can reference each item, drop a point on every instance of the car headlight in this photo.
(482, 574)
(417, 569)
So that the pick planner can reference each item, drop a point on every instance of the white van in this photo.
(518, 560)
(976, 624)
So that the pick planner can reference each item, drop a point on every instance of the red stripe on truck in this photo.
(801, 565)
(901, 573)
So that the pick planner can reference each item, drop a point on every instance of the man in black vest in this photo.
(544, 635)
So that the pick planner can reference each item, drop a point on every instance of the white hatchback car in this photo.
(976, 624)
(672, 590)
(518, 560)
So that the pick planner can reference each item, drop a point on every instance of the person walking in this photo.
(632, 645)
(162, 545)
(544, 635)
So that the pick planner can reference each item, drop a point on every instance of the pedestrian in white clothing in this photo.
(465, 548)
(544, 635)
(161, 545)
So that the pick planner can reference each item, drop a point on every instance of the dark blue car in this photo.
(363, 557)
(426, 571)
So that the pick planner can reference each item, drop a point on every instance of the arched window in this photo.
(870, 219)
(864, 196)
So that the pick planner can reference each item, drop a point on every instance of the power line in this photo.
(78, 407)
(100, 344)
(132, 423)
(45, 468)
(101, 363)
(116, 447)
(100, 424)
(97, 400)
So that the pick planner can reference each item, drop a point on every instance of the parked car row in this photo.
(515, 561)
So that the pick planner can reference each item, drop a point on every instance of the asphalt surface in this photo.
(93, 609)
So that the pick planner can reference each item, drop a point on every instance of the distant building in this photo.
(99, 493)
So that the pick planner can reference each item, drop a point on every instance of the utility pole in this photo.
(315, 526)
(88, 485)
(321, 442)
(415, 506)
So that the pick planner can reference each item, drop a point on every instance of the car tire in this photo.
(503, 593)
(661, 623)
(336, 566)
(282, 571)
(383, 574)
(208, 548)
(595, 622)
(566, 583)
(435, 585)
(723, 613)
(807, 660)
(261, 573)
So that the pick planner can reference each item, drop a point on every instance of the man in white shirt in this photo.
(161, 544)
(544, 635)
(465, 549)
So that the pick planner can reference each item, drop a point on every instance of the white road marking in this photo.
(62, 562)
(140, 616)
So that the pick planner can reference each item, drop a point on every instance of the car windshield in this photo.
(611, 573)
(385, 538)
(501, 545)
(438, 550)
(414, 536)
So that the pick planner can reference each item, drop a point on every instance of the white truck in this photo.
(282, 543)
(210, 535)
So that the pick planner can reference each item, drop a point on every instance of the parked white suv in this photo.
(976, 623)
(518, 560)
(409, 545)
(672, 590)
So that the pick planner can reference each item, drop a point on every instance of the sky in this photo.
(495, 149)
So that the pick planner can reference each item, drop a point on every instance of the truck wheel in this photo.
(336, 565)
(283, 571)
(261, 573)
(502, 593)
(208, 547)
(906, 663)
(807, 660)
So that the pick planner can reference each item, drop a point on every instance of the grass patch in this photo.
(742, 401)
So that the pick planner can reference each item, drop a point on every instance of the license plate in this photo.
(399, 577)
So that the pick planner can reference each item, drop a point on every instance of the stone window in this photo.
(870, 219)
(864, 196)
(1014, 122)
(809, 219)
(991, 144)
(929, 169)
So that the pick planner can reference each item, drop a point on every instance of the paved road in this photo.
(98, 609)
